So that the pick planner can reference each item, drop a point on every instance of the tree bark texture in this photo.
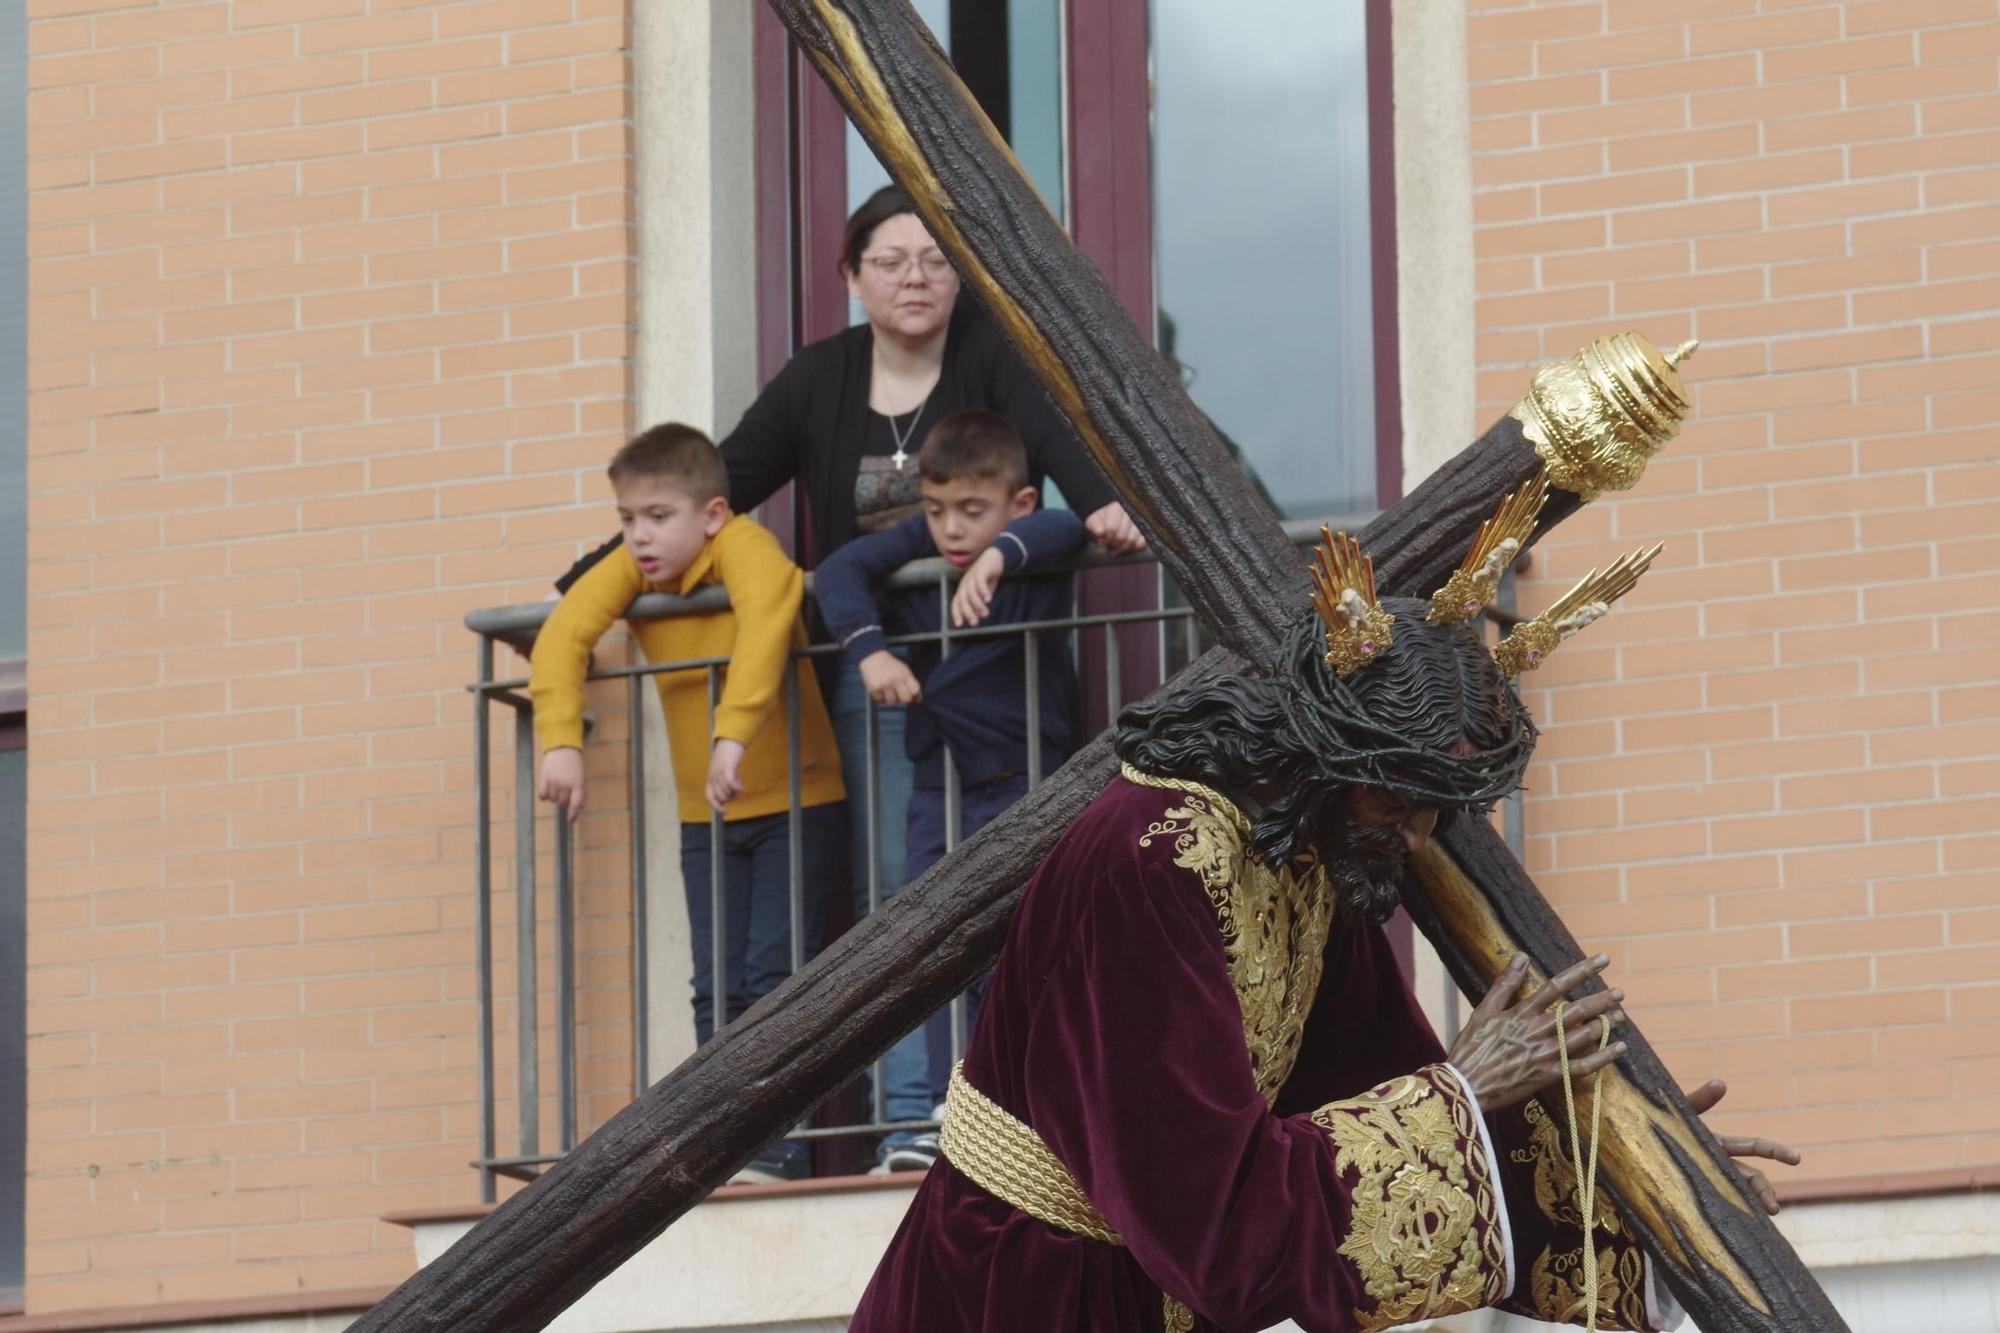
(546, 1246)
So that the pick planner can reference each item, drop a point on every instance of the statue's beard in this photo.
(1367, 867)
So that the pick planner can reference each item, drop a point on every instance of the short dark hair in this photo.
(888, 202)
(676, 454)
(974, 443)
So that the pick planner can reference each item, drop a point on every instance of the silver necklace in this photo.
(902, 436)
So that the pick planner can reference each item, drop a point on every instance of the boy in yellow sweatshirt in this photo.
(673, 508)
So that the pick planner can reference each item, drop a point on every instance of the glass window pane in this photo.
(1035, 94)
(1032, 116)
(1261, 236)
(865, 175)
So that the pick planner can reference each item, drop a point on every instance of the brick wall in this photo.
(331, 324)
(1770, 783)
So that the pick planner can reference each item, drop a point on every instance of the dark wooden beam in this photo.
(546, 1246)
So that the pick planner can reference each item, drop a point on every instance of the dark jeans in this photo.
(756, 902)
(977, 807)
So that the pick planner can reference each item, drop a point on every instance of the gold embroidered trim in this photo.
(1274, 924)
(1555, 1278)
(1140, 778)
(1007, 1159)
(1425, 1226)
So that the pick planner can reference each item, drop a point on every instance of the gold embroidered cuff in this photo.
(1425, 1234)
(1555, 1278)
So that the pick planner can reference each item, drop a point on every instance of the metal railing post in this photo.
(482, 852)
(565, 984)
(718, 919)
(641, 990)
(527, 1019)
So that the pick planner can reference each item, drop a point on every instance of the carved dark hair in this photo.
(1392, 726)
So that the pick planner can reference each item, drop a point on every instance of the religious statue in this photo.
(1201, 1094)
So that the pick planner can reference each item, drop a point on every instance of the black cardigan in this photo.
(811, 421)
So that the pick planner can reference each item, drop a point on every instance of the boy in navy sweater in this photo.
(979, 514)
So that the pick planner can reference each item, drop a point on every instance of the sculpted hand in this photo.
(888, 679)
(1113, 529)
(974, 598)
(561, 780)
(1508, 1053)
(1740, 1145)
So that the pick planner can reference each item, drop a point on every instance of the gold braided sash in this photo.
(1008, 1160)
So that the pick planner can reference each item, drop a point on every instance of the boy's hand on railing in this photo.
(724, 785)
(889, 680)
(974, 599)
(1113, 529)
(561, 781)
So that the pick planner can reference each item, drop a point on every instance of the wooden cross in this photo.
(547, 1245)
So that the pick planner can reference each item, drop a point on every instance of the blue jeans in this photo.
(893, 774)
(756, 903)
(930, 1046)
(905, 1080)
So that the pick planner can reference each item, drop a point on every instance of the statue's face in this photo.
(1412, 825)
(1372, 849)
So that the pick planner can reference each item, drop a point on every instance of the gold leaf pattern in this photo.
(1426, 1232)
(1556, 1276)
(1273, 923)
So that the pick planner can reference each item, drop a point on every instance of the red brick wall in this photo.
(331, 324)
(1770, 782)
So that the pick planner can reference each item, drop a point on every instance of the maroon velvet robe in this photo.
(1243, 1085)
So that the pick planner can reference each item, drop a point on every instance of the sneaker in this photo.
(919, 1154)
(780, 1162)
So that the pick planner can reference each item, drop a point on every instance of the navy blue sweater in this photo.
(976, 699)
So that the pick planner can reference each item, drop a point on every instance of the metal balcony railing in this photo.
(1175, 640)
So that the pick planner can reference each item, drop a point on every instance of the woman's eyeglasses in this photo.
(895, 266)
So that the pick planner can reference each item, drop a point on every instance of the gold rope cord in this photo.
(1008, 1160)
(1586, 1191)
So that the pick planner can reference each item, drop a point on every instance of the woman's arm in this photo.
(762, 453)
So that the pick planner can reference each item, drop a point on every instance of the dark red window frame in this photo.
(802, 206)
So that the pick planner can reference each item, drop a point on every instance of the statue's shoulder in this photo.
(1175, 823)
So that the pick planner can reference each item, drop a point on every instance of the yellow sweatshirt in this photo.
(756, 634)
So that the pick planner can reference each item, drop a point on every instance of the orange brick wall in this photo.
(331, 330)
(1770, 783)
